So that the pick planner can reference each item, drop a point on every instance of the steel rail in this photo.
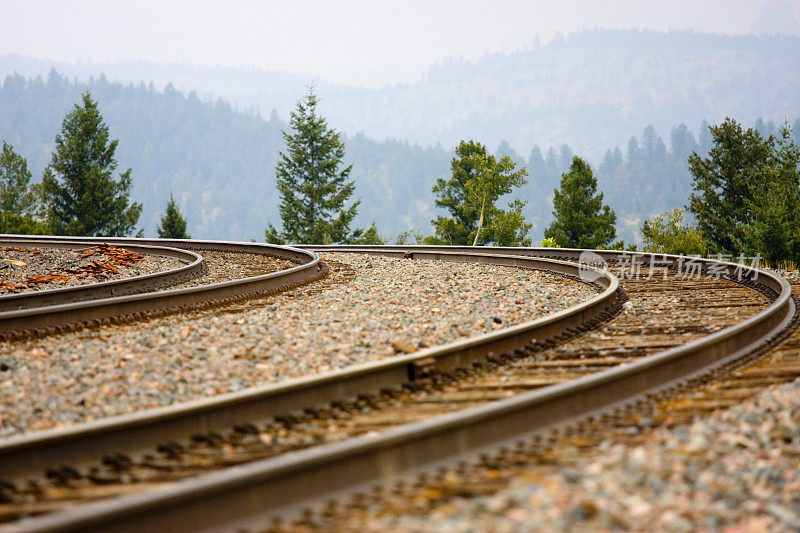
(30, 455)
(194, 265)
(241, 496)
(65, 316)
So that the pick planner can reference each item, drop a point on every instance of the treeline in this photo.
(745, 199)
(220, 164)
(204, 152)
(687, 41)
(646, 177)
(592, 89)
(745, 191)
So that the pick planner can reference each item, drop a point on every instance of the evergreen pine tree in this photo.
(536, 163)
(173, 225)
(725, 180)
(81, 195)
(581, 219)
(634, 158)
(774, 202)
(704, 140)
(682, 144)
(312, 186)
(565, 157)
(370, 236)
(553, 169)
(17, 199)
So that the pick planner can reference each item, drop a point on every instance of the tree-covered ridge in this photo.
(590, 89)
(203, 151)
(647, 176)
(220, 163)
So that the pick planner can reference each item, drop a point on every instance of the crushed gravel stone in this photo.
(735, 471)
(367, 309)
(225, 266)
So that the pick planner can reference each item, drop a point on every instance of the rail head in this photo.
(291, 253)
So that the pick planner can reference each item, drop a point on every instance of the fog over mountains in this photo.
(591, 90)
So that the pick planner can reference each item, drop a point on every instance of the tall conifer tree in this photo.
(312, 185)
(173, 225)
(82, 196)
(17, 199)
(581, 218)
(774, 203)
(724, 181)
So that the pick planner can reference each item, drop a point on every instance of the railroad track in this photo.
(435, 493)
(276, 484)
(193, 265)
(61, 310)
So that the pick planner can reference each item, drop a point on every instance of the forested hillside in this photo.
(591, 89)
(220, 163)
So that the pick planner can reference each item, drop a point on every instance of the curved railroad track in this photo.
(193, 265)
(60, 310)
(278, 484)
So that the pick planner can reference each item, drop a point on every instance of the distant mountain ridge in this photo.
(590, 89)
(776, 18)
(587, 94)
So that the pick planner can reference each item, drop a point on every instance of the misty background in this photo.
(198, 94)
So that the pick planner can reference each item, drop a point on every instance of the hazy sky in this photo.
(370, 41)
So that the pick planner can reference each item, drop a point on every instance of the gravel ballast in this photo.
(35, 269)
(226, 266)
(367, 309)
(736, 471)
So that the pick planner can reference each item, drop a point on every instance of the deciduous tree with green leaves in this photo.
(81, 195)
(313, 186)
(478, 180)
(17, 198)
(173, 225)
(667, 233)
(581, 218)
